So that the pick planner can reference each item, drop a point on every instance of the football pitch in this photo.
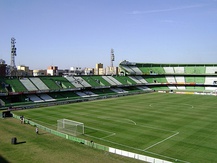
(173, 127)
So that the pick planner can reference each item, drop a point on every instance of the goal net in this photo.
(70, 127)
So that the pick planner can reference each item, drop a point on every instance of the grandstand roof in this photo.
(168, 64)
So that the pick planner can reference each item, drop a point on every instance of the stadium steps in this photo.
(211, 70)
(39, 84)
(141, 79)
(169, 70)
(74, 82)
(171, 80)
(114, 80)
(210, 80)
(180, 80)
(28, 84)
(82, 94)
(179, 70)
(46, 97)
(144, 88)
(128, 69)
(91, 94)
(118, 90)
(136, 70)
(138, 79)
(109, 80)
(34, 98)
(82, 81)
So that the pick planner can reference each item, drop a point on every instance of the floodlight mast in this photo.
(112, 57)
(112, 60)
(13, 53)
(12, 70)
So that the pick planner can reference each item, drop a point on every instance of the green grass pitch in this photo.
(174, 127)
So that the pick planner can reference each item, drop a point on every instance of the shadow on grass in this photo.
(22, 142)
(42, 133)
(3, 160)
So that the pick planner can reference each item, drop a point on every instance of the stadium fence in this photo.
(95, 145)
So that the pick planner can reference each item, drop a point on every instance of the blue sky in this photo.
(71, 33)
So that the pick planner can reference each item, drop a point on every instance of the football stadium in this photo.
(151, 112)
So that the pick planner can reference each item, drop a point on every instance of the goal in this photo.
(70, 127)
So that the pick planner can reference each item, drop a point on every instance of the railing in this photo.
(95, 145)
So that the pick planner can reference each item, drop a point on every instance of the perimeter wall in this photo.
(95, 145)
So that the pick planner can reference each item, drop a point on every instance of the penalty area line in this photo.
(161, 141)
(104, 131)
(108, 136)
(137, 149)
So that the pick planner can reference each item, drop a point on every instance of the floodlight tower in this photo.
(112, 57)
(13, 53)
(12, 70)
(112, 60)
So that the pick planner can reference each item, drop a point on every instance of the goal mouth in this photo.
(70, 127)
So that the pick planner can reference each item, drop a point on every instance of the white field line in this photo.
(126, 146)
(150, 105)
(108, 136)
(131, 121)
(102, 138)
(161, 141)
(155, 128)
(109, 133)
(144, 126)
(112, 134)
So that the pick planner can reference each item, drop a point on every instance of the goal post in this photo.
(70, 127)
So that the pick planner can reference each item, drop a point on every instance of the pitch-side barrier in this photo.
(95, 145)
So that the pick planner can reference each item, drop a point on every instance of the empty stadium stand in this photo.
(134, 78)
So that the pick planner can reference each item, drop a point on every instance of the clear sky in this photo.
(71, 33)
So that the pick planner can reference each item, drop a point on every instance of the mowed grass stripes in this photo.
(174, 127)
